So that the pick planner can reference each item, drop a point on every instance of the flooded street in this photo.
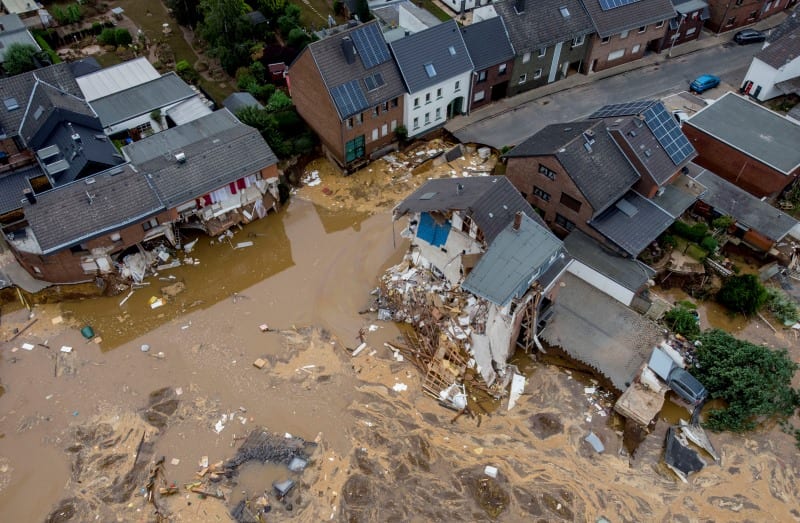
(73, 424)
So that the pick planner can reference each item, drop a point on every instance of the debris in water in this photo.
(490, 471)
(400, 387)
(155, 302)
(145, 348)
(259, 363)
(595, 442)
(242, 245)
(66, 349)
(27, 346)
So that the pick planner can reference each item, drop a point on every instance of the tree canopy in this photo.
(186, 12)
(683, 319)
(743, 294)
(20, 58)
(227, 31)
(754, 381)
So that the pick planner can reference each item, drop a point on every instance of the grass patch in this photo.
(435, 10)
(696, 252)
(107, 59)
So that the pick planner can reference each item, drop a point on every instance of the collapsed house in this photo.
(479, 278)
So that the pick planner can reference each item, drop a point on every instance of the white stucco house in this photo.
(436, 69)
(775, 70)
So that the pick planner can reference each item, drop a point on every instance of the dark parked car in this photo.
(686, 386)
(749, 36)
(704, 83)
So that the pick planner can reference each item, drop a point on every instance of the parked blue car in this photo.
(704, 83)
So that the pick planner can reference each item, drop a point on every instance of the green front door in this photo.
(354, 149)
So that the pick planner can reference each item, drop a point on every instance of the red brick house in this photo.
(611, 176)
(625, 30)
(687, 24)
(746, 144)
(726, 15)
(492, 55)
(348, 89)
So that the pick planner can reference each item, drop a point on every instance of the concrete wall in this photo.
(623, 47)
(601, 282)
(765, 77)
(735, 166)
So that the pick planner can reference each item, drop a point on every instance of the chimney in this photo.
(517, 220)
(180, 157)
(349, 50)
(519, 6)
(459, 188)
(29, 195)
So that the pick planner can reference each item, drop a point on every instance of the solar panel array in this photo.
(608, 5)
(370, 45)
(626, 109)
(373, 81)
(668, 133)
(349, 98)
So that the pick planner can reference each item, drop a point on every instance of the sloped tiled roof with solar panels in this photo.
(349, 98)
(607, 5)
(611, 17)
(370, 45)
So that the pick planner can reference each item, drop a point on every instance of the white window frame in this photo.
(537, 74)
(523, 78)
(526, 57)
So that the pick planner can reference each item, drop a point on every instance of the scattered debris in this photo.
(679, 457)
(260, 363)
(400, 387)
(517, 388)
(595, 442)
(490, 471)
(155, 302)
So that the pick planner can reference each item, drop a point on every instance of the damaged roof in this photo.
(746, 209)
(513, 261)
(490, 201)
(105, 202)
(628, 272)
(632, 222)
(217, 150)
(599, 169)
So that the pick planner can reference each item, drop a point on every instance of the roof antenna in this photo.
(90, 196)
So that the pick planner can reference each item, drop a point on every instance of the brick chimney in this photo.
(517, 220)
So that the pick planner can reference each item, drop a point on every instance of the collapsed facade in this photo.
(481, 274)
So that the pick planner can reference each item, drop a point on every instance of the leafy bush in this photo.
(668, 241)
(722, 223)
(122, 37)
(20, 58)
(693, 233)
(54, 58)
(683, 319)
(279, 101)
(782, 306)
(186, 71)
(743, 294)
(754, 381)
(709, 243)
(401, 132)
(69, 14)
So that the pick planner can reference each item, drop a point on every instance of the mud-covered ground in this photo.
(82, 431)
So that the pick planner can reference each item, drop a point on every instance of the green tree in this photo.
(186, 12)
(362, 11)
(20, 58)
(227, 31)
(122, 37)
(264, 122)
(683, 319)
(186, 71)
(297, 38)
(743, 294)
(289, 20)
(754, 381)
(279, 101)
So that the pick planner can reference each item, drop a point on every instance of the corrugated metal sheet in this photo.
(116, 78)
(188, 111)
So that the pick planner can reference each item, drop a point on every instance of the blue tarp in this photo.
(432, 232)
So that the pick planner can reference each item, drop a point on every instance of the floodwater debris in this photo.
(358, 350)
(297, 464)
(679, 457)
(490, 471)
(282, 488)
(145, 347)
(155, 302)
(27, 346)
(517, 388)
(400, 387)
(66, 349)
(595, 442)
(242, 245)
(260, 363)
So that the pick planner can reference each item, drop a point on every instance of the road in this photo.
(667, 76)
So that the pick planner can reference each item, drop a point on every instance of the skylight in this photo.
(452, 50)
(430, 70)
(564, 11)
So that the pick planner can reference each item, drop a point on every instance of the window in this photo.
(416, 123)
(430, 70)
(542, 52)
(385, 106)
(569, 202)
(541, 194)
(691, 31)
(349, 123)
(605, 39)
(643, 29)
(427, 98)
(537, 74)
(578, 41)
(480, 95)
(427, 118)
(458, 86)
(149, 224)
(501, 70)
(563, 222)
(523, 78)
(396, 102)
(384, 130)
(547, 172)
(438, 113)
(731, 21)
(615, 55)
(359, 118)
(452, 50)
(374, 134)
(623, 35)
(526, 58)
(660, 24)
(739, 2)
(564, 11)
(481, 76)
(416, 103)
(394, 125)
(439, 93)
(375, 112)
(752, 15)
(636, 48)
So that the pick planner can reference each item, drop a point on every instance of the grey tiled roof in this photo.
(745, 208)
(431, 46)
(19, 87)
(541, 24)
(628, 17)
(84, 66)
(213, 158)
(46, 99)
(506, 268)
(487, 43)
(782, 49)
(66, 216)
(335, 71)
(789, 25)
(603, 174)
(141, 99)
(755, 130)
(644, 145)
(633, 231)
(628, 272)
(490, 201)
(12, 184)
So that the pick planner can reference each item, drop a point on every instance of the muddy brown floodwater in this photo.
(80, 430)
